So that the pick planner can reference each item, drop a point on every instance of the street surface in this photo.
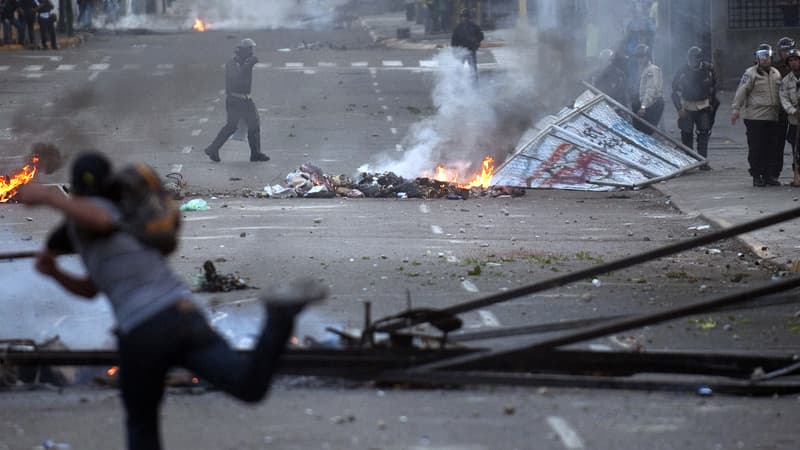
(335, 98)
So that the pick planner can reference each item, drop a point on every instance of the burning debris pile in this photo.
(312, 182)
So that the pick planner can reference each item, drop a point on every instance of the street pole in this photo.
(522, 21)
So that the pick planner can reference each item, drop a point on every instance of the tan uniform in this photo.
(790, 96)
(651, 85)
(758, 94)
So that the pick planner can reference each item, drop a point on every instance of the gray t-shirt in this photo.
(136, 278)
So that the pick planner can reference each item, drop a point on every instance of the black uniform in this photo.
(696, 85)
(468, 35)
(613, 80)
(783, 121)
(28, 8)
(239, 106)
(47, 24)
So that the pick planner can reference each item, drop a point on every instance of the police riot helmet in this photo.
(793, 53)
(642, 51)
(606, 54)
(786, 43)
(695, 56)
(764, 53)
(247, 43)
(466, 13)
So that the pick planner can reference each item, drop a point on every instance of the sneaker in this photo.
(258, 157)
(705, 167)
(214, 155)
(771, 181)
(758, 181)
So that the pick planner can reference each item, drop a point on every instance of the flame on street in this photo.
(10, 184)
(482, 179)
(199, 25)
(112, 371)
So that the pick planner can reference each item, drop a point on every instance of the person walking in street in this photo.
(694, 89)
(47, 24)
(758, 96)
(790, 100)
(468, 36)
(785, 44)
(8, 17)
(28, 8)
(649, 104)
(158, 324)
(238, 104)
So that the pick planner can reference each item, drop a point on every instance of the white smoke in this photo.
(233, 14)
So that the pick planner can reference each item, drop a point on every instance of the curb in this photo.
(63, 41)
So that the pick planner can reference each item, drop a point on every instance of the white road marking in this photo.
(293, 65)
(198, 218)
(269, 227)
(210, 108)
(428, 63)
(380, 99)
(488, 318)
(392, 63)
(131, 67)
(176, 168)
(202, 120)
(159, 73)
(568, 436)
(33, 68)
(373, 71)
(34, 75)
(424, 209)
(399, 148)
(219, 315)
(469, 286)
(377, 91)
(165, 66)
(4, 68)
(487, 65)
(263, 65)
(65, 67)
(99, 66)
(376, 84)
(309, 72)
(187, 149)
(326, 64)
(389, 118)
(94, 76)
(393, 130)
(359, 64)
(384, 107)
(208, 238)
(59, 321)
(436, 229)
(196, 132)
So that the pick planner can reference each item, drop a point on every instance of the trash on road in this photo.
(197, 204)
(212, 281)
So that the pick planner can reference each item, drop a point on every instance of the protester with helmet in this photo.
(693, 92)
(784, 45)
(780, 62)
(757, 101)
(238, 104)
(649, 105)
(468, 35)
(612, 79)
(790, 100)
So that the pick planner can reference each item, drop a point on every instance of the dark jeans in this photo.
(239, 108)
(652, 115)
(7, 29)
(761, 147)
(180, 336)
(791, 138)
(783, 125)
(47, 29)
(28, 20)
(699, 121)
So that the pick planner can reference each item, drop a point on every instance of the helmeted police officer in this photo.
(790, 100)
(781, 62)
(649, 104)
(758, 96)
(693, 93)
(612, 78)
(238, 104)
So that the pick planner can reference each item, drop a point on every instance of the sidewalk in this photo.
(63, 41)
(724, 196)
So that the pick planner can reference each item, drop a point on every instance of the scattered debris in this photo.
(211, 281)
(197, 204)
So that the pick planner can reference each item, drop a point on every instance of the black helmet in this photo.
(465, 12)
(642, 51)
(786, 43)
(90, 171)
(695, 56)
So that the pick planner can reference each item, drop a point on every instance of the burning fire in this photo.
(199, 25)
(10, 184)
(112, 371)
(482, 179)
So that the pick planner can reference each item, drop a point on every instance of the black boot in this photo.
(771, 181)
(258, 157)
(213, 154)
(758, 181)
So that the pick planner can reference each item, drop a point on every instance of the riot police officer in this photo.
(790, 100)
(238, 104)
(693, 94)
(612, 79)
(781, 62)
(758, 95)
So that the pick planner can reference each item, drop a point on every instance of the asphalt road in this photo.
(337, 102)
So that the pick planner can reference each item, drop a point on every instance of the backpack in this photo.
(148, 211)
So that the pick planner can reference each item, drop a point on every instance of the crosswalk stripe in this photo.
(165, 66)
(131, 67)
(34, 75)
(293, 64)
(428, 63)
(99, 66)
(392, 63)
(326, 64)
(65, 67)
(33, 68)
(263, 65)
(4, 68)
(359, 64)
